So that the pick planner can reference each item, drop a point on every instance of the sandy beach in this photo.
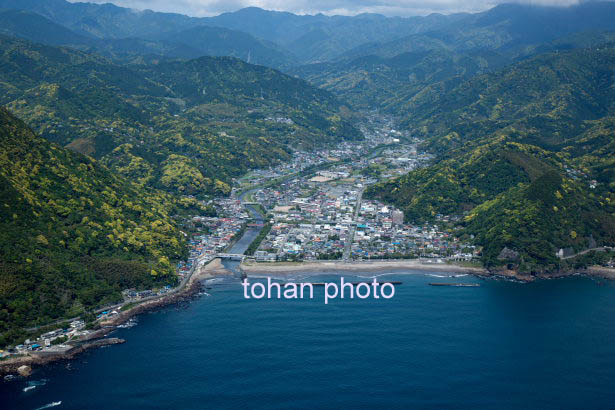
(338, 266)
(213, 268)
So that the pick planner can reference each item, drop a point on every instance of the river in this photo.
(248, 236)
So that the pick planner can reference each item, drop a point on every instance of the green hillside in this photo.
(219, 117)
(218, 41)
(416, 80)
(416, 69)
(73, 234)
(456, 185)
(510, 195)
(540, 218)
(388, 82)
(545, 100)
(525, 159)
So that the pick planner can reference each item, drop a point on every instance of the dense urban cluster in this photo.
(315, 209)
(381, 233)
(320, 214)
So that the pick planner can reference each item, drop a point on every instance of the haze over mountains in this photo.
(281, 39)
(141, 110)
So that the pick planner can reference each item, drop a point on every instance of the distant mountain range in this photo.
(281, 39)
(188, 43)
(306, 38)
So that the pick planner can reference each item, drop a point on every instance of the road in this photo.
(116, 306)
(353, 227)
(600, 249)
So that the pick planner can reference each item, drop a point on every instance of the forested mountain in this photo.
(34, 27)
(389, 74)
(73, 234)
(184, 43)
(308, 38)
(280, 39)
(216, 41)
(526, 155)
(104, 20)
(546, 100)
(319, 37)
(186, 126)
(389, 82)
(506, 28)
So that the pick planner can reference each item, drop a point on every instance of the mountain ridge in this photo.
(549, 122)
(73, 234)
(208, 110)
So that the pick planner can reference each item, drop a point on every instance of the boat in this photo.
(460, 285)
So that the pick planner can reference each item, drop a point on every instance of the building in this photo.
(398, 217)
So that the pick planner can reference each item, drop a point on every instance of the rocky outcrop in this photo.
(24, 370)
(507, 254)
(22, 365)
(601, 271)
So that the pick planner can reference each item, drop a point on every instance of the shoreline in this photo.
(211, 270)
(15, 365)
(332, 267)
(601, 272)
(358, 266)
(215, 269)
(97, 338)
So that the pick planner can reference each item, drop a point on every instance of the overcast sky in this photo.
(330, 7)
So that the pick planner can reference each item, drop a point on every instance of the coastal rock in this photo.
(507, 254)
(24, 370)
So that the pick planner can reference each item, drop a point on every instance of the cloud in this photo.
(329, 7)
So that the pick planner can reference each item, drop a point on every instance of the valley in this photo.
(144, 152)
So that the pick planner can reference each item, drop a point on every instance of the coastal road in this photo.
(600, 249)
(115, 306)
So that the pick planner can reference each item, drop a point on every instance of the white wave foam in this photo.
(130, 323)
(52, 404)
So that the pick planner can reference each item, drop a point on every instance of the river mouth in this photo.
(250, 233)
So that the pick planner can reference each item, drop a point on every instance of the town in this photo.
(314, 210)
(310, 208)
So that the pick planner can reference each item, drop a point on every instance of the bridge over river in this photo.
(231, 256)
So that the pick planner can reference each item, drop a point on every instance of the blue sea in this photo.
(503, 345)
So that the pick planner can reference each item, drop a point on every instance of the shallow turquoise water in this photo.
(546, 345)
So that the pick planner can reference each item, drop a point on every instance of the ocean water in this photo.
(503, 345)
